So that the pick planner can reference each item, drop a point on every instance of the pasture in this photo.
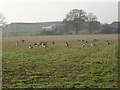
(58, 66)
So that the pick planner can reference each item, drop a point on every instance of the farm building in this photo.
(30, 27)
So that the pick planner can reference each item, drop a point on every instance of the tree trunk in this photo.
(76, 30)
(90, 28)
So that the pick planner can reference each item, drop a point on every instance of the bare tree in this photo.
(76, 17)
(2, 20)
(66, 25)
(91, 18)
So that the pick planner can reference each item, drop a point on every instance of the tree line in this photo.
(75, 21)
(78, 20)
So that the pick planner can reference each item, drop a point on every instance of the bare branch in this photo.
(2, 20)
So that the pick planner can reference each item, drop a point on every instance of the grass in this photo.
(59, 66)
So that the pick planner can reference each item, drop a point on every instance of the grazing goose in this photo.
(107, 42)
(53, 43)
(30, 47)
(22, 41)
(40, 43)
(44, 44)
(93, 44)
(67, 44)
(35, 44)
(83, 45)
(17, 43)
(86, 41)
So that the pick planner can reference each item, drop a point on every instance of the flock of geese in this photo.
(45, 44)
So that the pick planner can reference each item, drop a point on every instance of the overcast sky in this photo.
(51, 10)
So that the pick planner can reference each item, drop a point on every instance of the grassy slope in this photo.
(59, 66)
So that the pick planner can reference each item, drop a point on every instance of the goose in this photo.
(22, 41)
(53, 43)
(83, 45)
(107, 42)
(44, 44)
(93, 44)
(17, 43)
(35, 44)
(67, 44)
(30, 47)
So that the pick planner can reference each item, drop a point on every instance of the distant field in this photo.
(59, 66)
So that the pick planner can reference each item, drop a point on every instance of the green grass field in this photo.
(59, 66)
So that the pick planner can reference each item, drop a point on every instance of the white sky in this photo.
(55, 10)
